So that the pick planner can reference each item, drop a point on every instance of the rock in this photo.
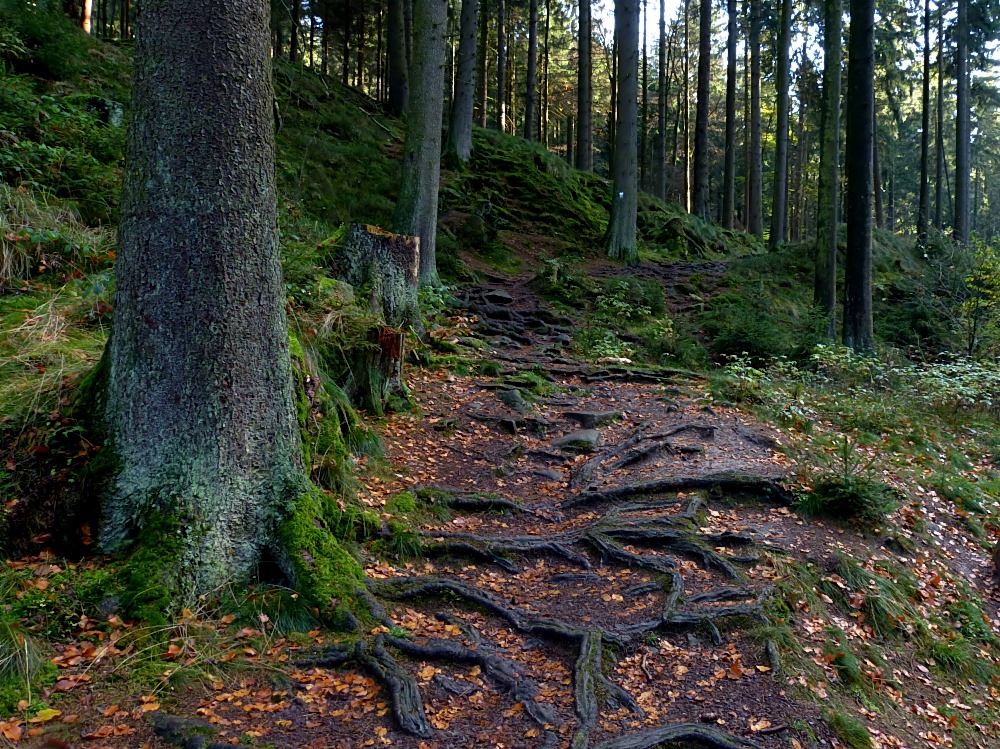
(592, 419)
(187, 733)
(549, 473)
(582, 440)
(498, 296)
(513, 399)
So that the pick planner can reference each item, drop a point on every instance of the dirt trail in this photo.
(598, 572)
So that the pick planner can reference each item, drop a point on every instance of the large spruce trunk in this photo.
(416, 211)
(585, 97)
(459, 145)
(858, 334)
(755, 167)
(779, 197)
(200, 408)
(531, 82)
(963, 137)
(399, 84)
(700, 189)
(828, 200)
(729, 170)
(621, 236)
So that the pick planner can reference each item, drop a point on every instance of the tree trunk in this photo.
(200, 408)
(729, 175)
(88, 7)
(416, 210)
(293, 43)
(963, 135)
(543, 120)
(754, 223)
(386, 264)
(644, 111)
(585, 97)
(701, 200)
(661, 106)
(459, 145)
(858, 333)
(779, 196)
(408, 31)
(501, 65)
(687, 107)
(939, 130)
(877, 176)
(569, 138)
(528, 129)
(361, 48)
(621, 237)
(924, 208)
(399, 84)
(483, 71)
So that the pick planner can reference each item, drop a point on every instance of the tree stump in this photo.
(388, 264)
(377, 369)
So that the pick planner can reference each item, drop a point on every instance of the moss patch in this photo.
(324, 571)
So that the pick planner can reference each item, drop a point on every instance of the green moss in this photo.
(149, 580)
(324, 570)
(403, 502)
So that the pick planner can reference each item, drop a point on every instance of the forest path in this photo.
(597, 549)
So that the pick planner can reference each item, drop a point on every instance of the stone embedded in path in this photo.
(582, 440)
(498, 296)
(592, 419)
(513, 399)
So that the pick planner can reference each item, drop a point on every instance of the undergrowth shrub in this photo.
(841, 482)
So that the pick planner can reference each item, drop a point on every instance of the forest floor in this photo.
(605, 556)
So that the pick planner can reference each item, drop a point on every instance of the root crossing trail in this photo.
(596, 546)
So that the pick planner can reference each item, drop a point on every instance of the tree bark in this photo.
(963, 135)
(939, 130)
(924, 207)
(755, 167)
(779, 195)
(621, 237)
(877, 174)
(501, 122)
(483, 71)
(687, 106)
(399, 83)
(416, 210)
(531, 84)
(585, 97)
(700, 190)
(858, 332)
(200, 406)
(293, 44)
(729, 170)
(661, 100)
(458, 147)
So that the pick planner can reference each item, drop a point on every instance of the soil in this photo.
(610, 595)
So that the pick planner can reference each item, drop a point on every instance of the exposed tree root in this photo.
(460, 499)
(686, 734)
(733, 483)
(407, 705)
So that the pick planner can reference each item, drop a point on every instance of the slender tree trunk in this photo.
(532, 74)
(858, 332)
(501, 65)
(361, 47)
(346, 60)
(88, 8)
(963, 135)
(543, 121)
(939, 132)
(569, 139)
(399, 79)
(747, 155)
(754, 223)
(924, 209)
(644, 111)
(877, 175)
(293, 40)
(687, 107)
(416, 210)
(200, 406)
(458, 148)
(661, 102)
(408, 31)
(779, 195)
(621, 235)
(483, 70)
(585, 97)
(700, 190)
(729, 172)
